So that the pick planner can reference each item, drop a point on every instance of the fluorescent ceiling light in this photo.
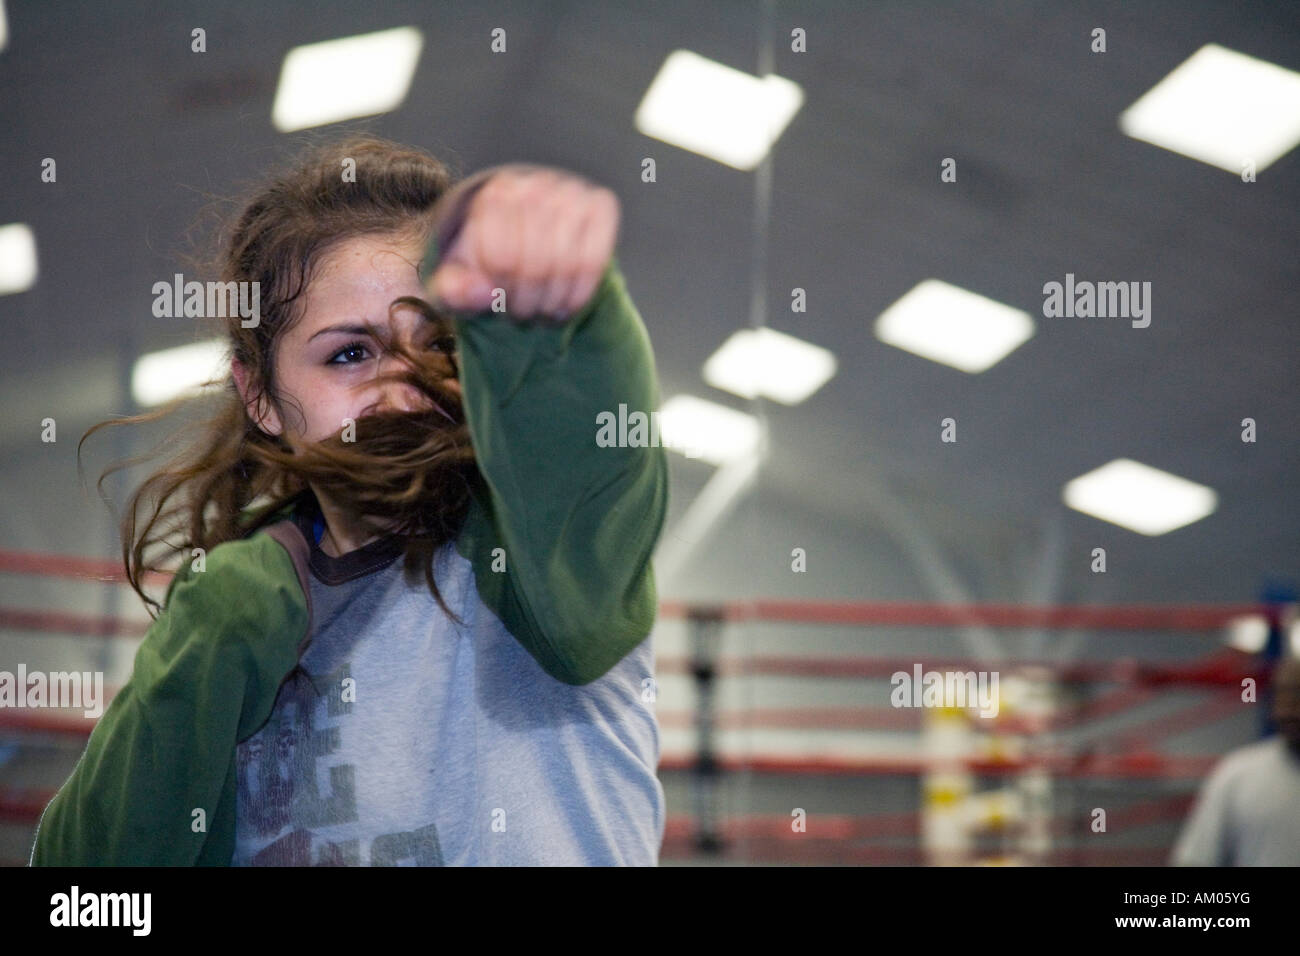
(765, 362)
(17, 258)
(158, 377)
(704, 430)
(343, 79)
(716, 111)
(1139, 497)
(1221, 107)
(951, 325)
(4, 26)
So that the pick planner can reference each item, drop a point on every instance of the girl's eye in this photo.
(446, 343)
(349, 348)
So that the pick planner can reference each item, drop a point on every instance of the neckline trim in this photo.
(367, 559)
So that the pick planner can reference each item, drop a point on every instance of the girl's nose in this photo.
(403, 398)
(399, 396)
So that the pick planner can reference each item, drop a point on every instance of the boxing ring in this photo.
(781, 749)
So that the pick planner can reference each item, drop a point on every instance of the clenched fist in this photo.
(543, 236)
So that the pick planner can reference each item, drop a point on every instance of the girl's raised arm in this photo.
(573, 521)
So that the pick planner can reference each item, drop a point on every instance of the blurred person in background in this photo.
(1248, 811)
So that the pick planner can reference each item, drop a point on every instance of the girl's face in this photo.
(326, 363)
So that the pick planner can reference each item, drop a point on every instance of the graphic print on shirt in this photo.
(282, 805)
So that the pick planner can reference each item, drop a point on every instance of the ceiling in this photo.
(147, 134)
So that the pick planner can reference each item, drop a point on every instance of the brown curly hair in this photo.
(413, 470)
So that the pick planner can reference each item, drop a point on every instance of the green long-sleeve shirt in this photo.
(577, 523)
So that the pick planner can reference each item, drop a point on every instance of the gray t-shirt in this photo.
(406, 739)
(1248, 811)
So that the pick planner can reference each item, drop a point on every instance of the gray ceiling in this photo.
(146, 133)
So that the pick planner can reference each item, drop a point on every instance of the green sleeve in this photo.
(576, 523)
(204, 678)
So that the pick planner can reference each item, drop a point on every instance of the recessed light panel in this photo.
(342, 79)
(717, 111)
(1221, 107)
(1139, 497)
(780, 367)
(948, 324)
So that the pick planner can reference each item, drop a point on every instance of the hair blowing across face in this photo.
(411, 470)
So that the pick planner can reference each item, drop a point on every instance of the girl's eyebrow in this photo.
(437, 322)
(349, 329)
